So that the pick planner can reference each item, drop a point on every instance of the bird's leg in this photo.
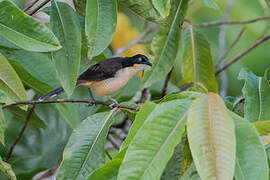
(114, 102)
(92, 99)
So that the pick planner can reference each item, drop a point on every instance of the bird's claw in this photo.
(113, 105)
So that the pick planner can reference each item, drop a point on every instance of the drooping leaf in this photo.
(154, 143)
(163, 7)
(251, 158)
(24, 31)
(29, 80)
(110, 170)
(7, 44)
(10, 83)
(7, 170)
(21, 115)
(256, 91)
(210, 3)
(100, 24)
(144, 9)
(211, 138)
(141, 116)
(66, 27)
(3, 125)
(197, 65)
(165, 44)
(85, 150)
(39, 65)
(263, 127)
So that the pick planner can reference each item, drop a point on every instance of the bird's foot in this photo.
(91, 103)
(114, 103)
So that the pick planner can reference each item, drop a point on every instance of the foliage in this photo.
(170, 126)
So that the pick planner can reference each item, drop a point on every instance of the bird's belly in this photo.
(108, 86)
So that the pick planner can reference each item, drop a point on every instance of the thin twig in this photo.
(39, 7)
(21, 132)
(119, 51)
(231, 46)
(70, 101)
(31, 5)
(108, 154)
(218, 23)
(165, 86)
(236, 58)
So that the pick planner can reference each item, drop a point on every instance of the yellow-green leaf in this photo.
(211, 138)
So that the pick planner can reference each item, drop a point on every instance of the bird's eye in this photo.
(140, 59)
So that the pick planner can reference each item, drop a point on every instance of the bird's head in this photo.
(141, 59)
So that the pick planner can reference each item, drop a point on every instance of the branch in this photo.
(119, 51)
(21, 132)
(231, 47)
(217, 23)
(236, 58)
(165, 86)
(37, 8)
(70, 101)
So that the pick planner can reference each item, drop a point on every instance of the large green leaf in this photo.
(39, 65)
(210, 3)
(251, 158)
(197, 65)
(100, 24)
(263, 127)
(2, 126)
(110, 170)
(211, 138)
(65, 25)
(165, 44)
(163, 7)
(7, 170)
(29, 80)
(257, 96)
(144, 9)
(85, 150)
(141, 116)
(154, 143)
(10, 83)
(191, 173)
(24, 31)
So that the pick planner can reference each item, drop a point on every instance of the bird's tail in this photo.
(52, 94)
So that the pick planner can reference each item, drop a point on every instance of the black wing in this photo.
(103, 70)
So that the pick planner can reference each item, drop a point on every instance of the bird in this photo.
(107, 76)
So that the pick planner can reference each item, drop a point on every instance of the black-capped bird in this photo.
(108, 76)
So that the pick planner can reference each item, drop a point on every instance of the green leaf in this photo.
(197, 65)
(256, 91)
(7, 44)
(191, 173)
(174, 166)
(7, 170)
(29, 80)
(24, 31)
(65, 25)
(39, 65)
(251, 158)
(163, 7)
(21, 115)
(3, 124)
(154, 143)
(211, 4)
(165, 44)
(263, 127)
(144, 9)
(100, 24)
(140, 118)
(211, 138)
(80, 6)
(10, 83)
(85, 150)
(110, 170)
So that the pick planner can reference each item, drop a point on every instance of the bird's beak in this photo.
(148, 63)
